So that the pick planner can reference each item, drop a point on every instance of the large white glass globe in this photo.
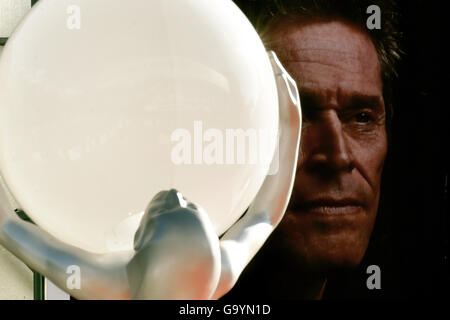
(104, 103)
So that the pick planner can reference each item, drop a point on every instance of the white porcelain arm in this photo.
(243, 240)
(176, 254)
(53, 258)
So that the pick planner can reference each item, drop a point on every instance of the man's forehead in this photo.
(327, 57)
(339, 35)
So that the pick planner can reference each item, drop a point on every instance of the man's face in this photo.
(343, 145)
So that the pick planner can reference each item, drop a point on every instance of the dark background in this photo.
(411, 237)
(410, 241)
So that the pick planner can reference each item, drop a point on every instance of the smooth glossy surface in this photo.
(87, 115)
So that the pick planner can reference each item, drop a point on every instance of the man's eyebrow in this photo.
(358, 100)
(347, 100)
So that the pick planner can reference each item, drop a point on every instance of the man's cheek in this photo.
(371, 157)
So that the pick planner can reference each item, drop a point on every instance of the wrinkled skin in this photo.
(344, 142)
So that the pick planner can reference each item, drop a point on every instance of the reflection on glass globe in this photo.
(103, 104)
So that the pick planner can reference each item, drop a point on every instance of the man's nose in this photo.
(326, 145)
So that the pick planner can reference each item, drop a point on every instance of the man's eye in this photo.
(363, 117)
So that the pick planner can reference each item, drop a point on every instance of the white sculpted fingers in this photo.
(274, 195)
(288, 96)
(177, 251)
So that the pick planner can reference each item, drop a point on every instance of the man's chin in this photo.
(323, 253)
(326, 262)
(322, 242)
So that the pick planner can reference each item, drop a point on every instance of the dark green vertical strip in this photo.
(33, 2)
(38, 286)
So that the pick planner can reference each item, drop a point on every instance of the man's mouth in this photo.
(329, 206)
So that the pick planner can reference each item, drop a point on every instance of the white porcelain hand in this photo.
(243, 240)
